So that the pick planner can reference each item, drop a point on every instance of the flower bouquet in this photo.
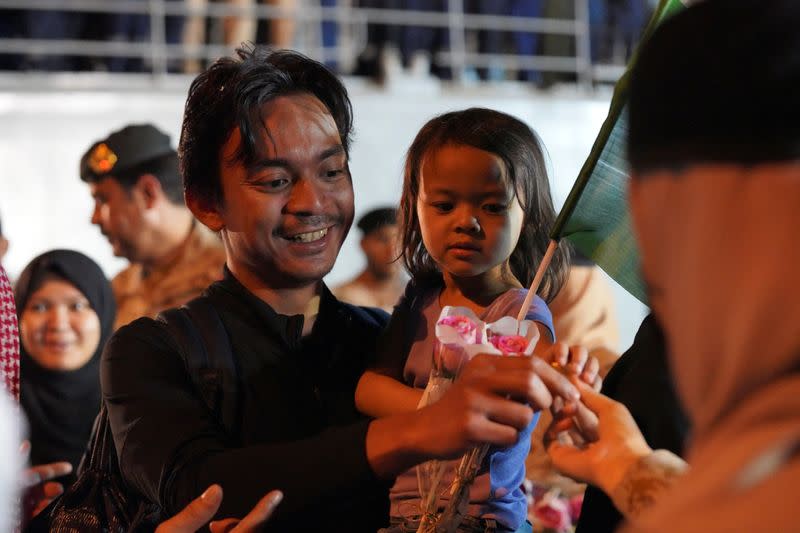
(462, 335)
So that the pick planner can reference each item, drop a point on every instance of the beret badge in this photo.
(102, 159)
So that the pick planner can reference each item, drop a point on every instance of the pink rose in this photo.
(575, 504)
(463, 325)
(552, 513)
(509, 344)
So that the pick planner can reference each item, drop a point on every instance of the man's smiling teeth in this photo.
(309, 237)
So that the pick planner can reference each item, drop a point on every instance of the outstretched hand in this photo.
(197, 514)
(604, 459)
(37, 486)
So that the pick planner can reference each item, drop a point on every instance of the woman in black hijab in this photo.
(66, 313)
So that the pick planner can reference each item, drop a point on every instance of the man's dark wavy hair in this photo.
(230, 94)
(521, 152)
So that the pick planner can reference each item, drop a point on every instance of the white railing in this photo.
(309, 18)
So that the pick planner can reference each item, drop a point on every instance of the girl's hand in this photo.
(575, 361)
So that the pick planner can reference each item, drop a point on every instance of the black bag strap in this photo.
(207, 353)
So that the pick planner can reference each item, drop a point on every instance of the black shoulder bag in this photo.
(99, 501)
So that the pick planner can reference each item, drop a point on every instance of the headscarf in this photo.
(730, 304)
(719, 159)
(9, 338)
(61, 405)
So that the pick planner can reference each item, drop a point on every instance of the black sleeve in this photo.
(394, 342)
(171, 449)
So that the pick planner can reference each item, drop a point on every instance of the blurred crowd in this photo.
(615, 25)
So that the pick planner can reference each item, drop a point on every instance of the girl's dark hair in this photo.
(521, 152)
(230, 93)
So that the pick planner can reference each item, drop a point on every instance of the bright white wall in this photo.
(44, 204)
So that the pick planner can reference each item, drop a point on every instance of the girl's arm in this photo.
(380, 391)
(378, 395)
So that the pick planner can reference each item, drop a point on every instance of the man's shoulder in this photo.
(362, 316)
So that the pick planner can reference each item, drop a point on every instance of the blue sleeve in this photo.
(539, 312)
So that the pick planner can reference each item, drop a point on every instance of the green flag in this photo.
(595, 216)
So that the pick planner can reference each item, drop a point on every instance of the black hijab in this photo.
(61, 405)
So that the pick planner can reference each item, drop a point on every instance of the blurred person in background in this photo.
(66, 312)
(136, 28)
(135, 181)
(584, 312)
(235, 29)
(382, 281)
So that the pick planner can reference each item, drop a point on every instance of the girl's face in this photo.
(469, 217)
(58, 327)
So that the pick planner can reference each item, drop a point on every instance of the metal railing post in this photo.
(158, 38)
(458, 39)
(583, 45)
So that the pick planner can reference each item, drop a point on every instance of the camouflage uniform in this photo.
(139, 293)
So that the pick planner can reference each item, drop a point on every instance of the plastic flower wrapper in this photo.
(458, 330)
(505, 337)
(460, 336)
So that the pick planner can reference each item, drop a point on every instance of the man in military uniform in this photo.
(135, 181)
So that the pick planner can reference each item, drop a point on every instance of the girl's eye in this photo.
(494, 208)
(443, 207)
(39, 307)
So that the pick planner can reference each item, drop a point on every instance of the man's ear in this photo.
(149, 189)
(206, 212)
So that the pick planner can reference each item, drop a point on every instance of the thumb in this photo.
(195, 515)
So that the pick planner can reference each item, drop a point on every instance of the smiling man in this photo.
(264, 155)
(138, 205)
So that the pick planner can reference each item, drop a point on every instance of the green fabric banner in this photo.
(595, 216)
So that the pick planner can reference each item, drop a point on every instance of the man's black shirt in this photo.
(299, 428)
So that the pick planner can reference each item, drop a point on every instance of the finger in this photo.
(487, 431)
(590, 371)
(559, 353)
(587, 423)
(196, 514)
(41, 506)
(52, 489)
(578, 356)
(260, 513)
(561, 425)
(52, 470)
(223, 526)
(556, 383)
(505, 411)
(595, 401)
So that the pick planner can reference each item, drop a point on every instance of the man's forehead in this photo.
(104, 185)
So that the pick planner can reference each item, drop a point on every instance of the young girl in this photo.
(476, 210)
